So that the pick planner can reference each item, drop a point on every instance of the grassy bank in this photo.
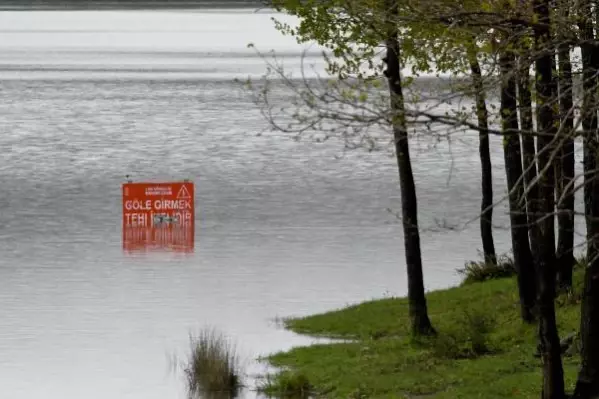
(483, 349)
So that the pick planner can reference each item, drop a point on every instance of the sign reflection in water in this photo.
(167, 237)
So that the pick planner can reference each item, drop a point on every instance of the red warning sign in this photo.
(158, 215)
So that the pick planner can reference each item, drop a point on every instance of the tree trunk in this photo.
(589, 113)
(486, 220)
(587, 384)
(553, 375)
(513, 167)
(420, 321)
(529, 152)
(565, 206)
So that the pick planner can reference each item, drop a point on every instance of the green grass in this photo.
(287, 384)
(483, 349)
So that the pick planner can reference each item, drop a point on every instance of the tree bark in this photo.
(565, 206)
(553, 375)
(418, 311)
(589, 113)
(513, 167)
(587, 384)
(529, 152)
(486, 220)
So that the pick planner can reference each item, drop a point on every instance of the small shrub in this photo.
(213, 367)
(470, 341)
(287, 384)
(447, 345)
(482, 271)
(479, 326)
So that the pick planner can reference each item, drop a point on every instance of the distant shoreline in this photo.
(130, 5)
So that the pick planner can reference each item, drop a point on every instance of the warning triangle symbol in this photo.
(183, 193)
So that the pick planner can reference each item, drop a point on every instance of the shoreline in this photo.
(194, 9)
(481, 338)
(132, 5)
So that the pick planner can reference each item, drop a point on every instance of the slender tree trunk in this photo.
(588, 120)
(565, 206)
(587, 385)
(529, 152)
(420, 321)
(553, 375)
(486, 220)
(513, 168)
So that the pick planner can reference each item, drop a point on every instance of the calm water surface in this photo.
(283, 228)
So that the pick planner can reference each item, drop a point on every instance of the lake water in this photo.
(282, 228)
